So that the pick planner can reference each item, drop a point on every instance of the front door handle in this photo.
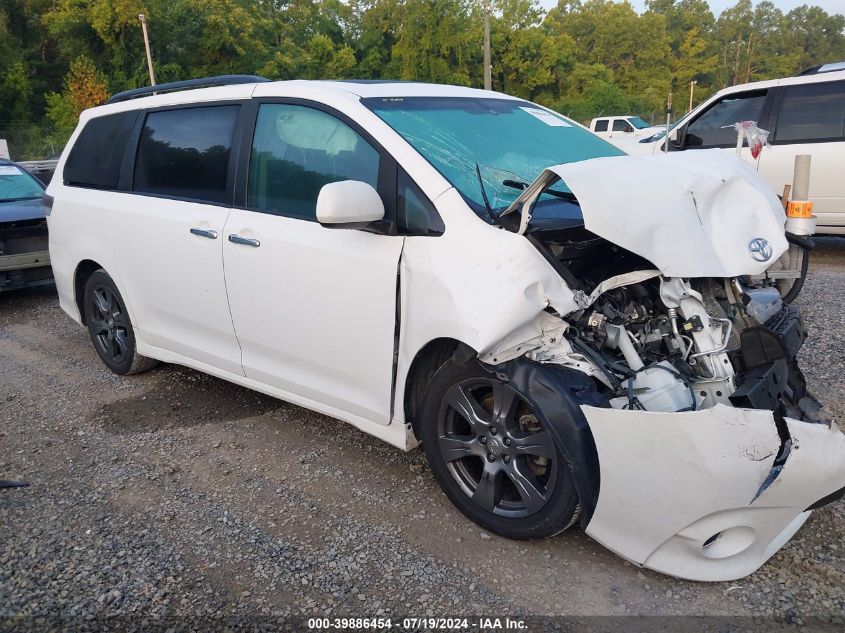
(246, 241)
(212, 235)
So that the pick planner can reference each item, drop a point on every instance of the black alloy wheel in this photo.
(110, 327)
(494, 458)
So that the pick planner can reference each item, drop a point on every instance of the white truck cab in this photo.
(622, 127)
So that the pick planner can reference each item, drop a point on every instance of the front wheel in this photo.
(110, 327)
(492, 456)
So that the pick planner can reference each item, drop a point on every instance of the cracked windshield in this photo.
(489, 148)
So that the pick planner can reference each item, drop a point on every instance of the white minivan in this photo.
(803, 114)
(448, 266)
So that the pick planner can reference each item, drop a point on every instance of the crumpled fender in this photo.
(681, 492)
(556, 395)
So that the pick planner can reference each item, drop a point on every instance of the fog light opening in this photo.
(729, 542)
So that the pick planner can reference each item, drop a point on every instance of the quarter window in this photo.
(295, 151)
(416, 214)
(96, 157)
(812, 112)
(714, 127)
(185, 153)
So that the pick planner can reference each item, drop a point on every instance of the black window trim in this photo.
(764, 122)
(780, 94)
(127, 174)
(401, 171)
(387, 176)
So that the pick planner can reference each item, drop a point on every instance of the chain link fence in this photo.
(32, 142)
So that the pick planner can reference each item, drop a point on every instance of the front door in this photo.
(314, 308)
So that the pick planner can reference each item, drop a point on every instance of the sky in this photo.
(717, 6)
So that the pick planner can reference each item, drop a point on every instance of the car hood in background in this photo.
(21, 210)
(703, 213)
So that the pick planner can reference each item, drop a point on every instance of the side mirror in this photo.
(349, 204)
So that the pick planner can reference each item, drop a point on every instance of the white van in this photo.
(447, 265)
(804, 115)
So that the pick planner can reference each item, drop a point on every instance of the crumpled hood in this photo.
(691, 214)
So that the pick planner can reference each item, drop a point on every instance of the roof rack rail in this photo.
(823, 68)
(202, 82)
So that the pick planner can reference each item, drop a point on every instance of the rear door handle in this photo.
(212, 235)
(246, 241)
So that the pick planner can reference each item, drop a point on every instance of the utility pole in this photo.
(488, 71)
(691, 89)
(147, 46)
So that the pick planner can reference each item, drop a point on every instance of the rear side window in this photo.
(95, 158)
(601, 126)
(185, 153)
(714, 128)
(812, 112)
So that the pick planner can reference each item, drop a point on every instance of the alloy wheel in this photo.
(108, 324)
(496, 449)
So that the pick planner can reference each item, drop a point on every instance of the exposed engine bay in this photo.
(671, 344)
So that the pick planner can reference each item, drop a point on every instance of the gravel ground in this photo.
(174, 496)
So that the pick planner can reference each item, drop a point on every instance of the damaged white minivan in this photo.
(567, 330)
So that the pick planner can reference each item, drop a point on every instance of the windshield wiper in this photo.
(518, 184)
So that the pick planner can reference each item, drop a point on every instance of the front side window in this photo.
(714, 128)
(96, 157)
(16, 184)
(622, 126)
(185, 153)
(488, 149)
(812, 112)
(295, 151)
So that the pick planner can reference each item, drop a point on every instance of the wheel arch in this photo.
(83, 272)
(427, 360)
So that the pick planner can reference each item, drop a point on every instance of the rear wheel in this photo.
(110, 327)
(492, 456)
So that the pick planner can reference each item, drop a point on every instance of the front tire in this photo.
(492, 457)
(110, 327)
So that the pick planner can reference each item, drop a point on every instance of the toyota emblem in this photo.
(760, 249)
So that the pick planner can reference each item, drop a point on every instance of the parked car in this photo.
(803, 114)
(24, 255)
(448, 265)
(622, 128)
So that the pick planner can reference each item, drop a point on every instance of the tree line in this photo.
(582, 57)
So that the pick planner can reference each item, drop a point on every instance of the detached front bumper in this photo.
(710, 494)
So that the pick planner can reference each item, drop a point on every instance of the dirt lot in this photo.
(174, 494)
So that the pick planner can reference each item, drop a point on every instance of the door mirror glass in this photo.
(350, 203)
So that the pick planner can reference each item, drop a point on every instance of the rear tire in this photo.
(492, 457)
(110, 327)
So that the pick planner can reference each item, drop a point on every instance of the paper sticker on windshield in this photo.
(546, 117)
(9, 170)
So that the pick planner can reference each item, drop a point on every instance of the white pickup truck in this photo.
(622, 127)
